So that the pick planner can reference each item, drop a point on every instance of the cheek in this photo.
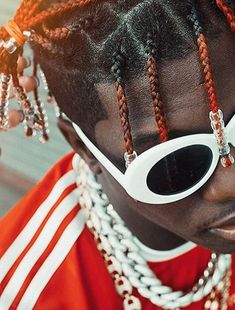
(180, 217)
(109, 138)
(166, 215)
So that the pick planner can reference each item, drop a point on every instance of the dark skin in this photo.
(187, 110)
(167, 226)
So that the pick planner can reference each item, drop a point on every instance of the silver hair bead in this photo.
(29, 117)
(129, 158)
(44, 80)
(27, 34)
(10, 45)
(217, 124)
(4, 100)
(4, 118)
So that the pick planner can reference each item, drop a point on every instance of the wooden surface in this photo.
(26, 158)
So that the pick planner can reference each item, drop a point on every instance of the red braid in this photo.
(205, 61)
(57, 33)
(228, 12)
(207, 70)
(117, 68)
(26, 19)
(156, 98)
(216, 115)
(12, 39)
(55, 11)
(152, 72)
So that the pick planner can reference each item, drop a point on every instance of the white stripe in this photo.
(34, 253)
(54, 260)
(22, 240)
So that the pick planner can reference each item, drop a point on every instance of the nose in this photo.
(221, 186)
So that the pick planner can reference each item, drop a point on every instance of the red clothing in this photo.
(49, 260)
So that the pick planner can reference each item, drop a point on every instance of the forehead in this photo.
(184, 97)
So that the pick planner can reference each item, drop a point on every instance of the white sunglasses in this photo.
(169, 171)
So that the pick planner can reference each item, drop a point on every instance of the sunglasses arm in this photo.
(113, 170)
(230, 129)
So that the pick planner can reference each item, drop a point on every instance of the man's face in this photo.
(187, 109)
(186, 106)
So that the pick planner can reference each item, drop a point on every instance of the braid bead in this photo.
(32, 120)
(27, 109)
(50, 98)
(25, 19)
(215, 115)
(12, 38)
(4, 101)
(42, 126)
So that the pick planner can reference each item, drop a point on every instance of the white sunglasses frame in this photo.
(135, 176)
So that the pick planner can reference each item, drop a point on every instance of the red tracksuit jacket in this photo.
(49, 260)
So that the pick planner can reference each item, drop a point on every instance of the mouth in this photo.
(224, 228)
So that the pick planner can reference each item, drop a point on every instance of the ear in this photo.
(79, 147)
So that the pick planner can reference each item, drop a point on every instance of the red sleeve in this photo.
(38, 234)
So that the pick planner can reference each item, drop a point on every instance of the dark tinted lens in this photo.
(180, 170)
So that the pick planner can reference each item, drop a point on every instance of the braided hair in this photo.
(84, 42)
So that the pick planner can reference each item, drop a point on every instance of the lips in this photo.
(225, 228)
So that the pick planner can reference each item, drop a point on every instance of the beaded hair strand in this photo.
(21, 29)
(205, 61)
(40, 108)
(12, 39)
(216, 115)
(117, 69)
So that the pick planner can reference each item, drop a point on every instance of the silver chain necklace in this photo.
(126, 265)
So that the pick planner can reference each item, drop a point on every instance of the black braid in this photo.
(151, 46)
(118, 61)
(87, 54)
(193, 17)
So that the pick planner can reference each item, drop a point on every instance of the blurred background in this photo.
(25, 160)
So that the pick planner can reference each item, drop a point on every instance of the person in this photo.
(134, 78)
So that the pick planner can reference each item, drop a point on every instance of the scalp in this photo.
(127, 22)
(99, 29)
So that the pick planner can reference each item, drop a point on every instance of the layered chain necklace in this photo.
(129, 269)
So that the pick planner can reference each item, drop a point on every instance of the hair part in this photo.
(73, 37)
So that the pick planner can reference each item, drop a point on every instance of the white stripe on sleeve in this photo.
(34, 253)
(22, 240)
(52, 263)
